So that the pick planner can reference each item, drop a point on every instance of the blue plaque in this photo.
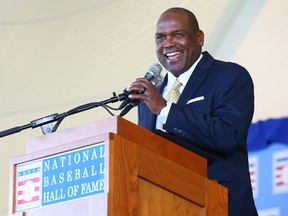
(61, 177)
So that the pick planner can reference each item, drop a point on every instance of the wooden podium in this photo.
(111, 167)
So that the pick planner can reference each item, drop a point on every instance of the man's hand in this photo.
(147, 93)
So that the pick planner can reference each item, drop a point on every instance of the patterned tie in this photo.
(174, 93)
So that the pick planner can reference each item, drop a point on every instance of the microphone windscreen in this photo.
(153, 71)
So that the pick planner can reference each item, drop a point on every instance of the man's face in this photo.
(178, 46)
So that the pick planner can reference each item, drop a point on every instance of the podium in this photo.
(111, 167)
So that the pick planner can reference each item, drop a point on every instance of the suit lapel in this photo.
(198, 76)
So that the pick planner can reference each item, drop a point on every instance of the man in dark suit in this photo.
(215, 107)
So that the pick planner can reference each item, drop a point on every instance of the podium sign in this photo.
(62, 177)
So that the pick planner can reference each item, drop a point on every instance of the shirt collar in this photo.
(184, 77)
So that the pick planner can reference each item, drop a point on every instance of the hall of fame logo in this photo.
(61, 177)
(253, 170)
(28, 185)
(280, 172)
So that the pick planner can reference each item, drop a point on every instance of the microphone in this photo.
(132, 104)
(153, 72)
(154, 76)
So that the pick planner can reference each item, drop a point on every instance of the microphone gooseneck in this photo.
(153, 75)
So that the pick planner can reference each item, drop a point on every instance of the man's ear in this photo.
(200, 36)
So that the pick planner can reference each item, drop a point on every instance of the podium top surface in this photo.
(210, 158)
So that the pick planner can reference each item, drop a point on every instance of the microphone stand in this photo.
(46, 122)
(152, 75)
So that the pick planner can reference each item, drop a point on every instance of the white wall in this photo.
(56, 55)
(263, 51)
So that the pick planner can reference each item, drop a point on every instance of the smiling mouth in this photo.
(173, 55)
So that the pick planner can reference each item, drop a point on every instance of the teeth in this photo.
(172, 53)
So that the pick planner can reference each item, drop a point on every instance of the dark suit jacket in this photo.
(217, 122)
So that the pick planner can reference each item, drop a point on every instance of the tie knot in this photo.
(174, 92)
(177, 84)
